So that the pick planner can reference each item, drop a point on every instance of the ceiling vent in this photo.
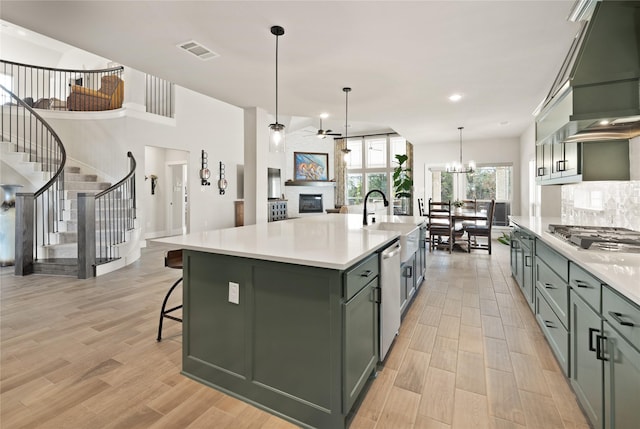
(198, 50)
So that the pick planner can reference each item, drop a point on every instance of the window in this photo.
(370, 165)
(5, 80)
(485, 183)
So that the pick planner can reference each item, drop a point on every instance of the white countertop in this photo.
(334, 241)
(621, 271)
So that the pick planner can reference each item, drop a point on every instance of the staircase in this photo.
(47, 213)
(60, 255)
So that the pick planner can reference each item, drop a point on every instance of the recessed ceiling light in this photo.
(604, 122)
(324, 115)
(455, 97)
(22, 32)
(504, 123)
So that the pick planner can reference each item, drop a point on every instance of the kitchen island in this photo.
(284, 315)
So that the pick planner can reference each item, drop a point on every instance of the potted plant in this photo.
(402, 182)
(457, 204)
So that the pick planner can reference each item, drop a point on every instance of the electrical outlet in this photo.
(234, 293)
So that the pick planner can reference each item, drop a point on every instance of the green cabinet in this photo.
(565, 160)
(421, 257)
(360, 341)
(300, 342)
(522, 245)
(552, 300)
(571, 162)
(543, 162)
(621, 381)
(586, 370)
(621, 358)
(407, 282)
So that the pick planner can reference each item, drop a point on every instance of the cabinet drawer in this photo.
(553, 259)
(555, 291)
(588, 287)
(358, 276)
(556, 334)
(623, 315)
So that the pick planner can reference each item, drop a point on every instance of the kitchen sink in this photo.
(409, 236)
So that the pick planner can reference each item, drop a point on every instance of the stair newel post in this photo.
(25, 203)
(86, 235)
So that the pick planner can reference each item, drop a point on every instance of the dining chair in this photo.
(440, 225)
(421, 206)
(477, 230)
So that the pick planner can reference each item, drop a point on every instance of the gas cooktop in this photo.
(599, 237)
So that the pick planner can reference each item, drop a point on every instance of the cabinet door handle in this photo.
(581, 283)
(527, 258)
(377, 293)
(549, 286)
(591, 331)
(599, 351)
(540, 171)
(561, 165)
(549, 324)
(366, 273)
(618, 318)
(408, 272)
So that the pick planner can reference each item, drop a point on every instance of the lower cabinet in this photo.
(621, 357)
(553, 329)
(522, 263)
(586, 364)
(593, 331)
(621, 381)
(421, 257)
(407, 282)
(361, 342)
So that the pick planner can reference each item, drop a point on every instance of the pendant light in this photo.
(346, 150)
(458, 167)
(276, 130)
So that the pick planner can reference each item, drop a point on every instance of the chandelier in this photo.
(458, 166)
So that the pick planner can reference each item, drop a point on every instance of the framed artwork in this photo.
(310, 166)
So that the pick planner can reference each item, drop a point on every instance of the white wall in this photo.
(481, 151)
(527, 153)
(201, 123)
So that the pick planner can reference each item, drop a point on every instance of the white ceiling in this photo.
(402, 59)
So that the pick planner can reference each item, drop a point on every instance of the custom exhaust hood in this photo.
(596, 95)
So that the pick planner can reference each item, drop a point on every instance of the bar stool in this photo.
(173, 259)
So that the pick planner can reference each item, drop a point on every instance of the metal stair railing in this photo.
(37, 214)
(114, 211)
(48, 88)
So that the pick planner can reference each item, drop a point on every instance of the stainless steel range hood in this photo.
(596, 95)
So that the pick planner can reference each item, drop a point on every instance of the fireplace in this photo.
(310, 203)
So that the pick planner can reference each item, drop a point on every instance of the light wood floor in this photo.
(82, 354)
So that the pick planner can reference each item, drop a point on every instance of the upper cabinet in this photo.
(571, 162)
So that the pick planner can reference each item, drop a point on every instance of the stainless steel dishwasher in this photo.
(389, 296)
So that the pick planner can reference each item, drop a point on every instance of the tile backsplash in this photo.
(602, 204)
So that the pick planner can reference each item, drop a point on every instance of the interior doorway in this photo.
(167, 202)
(178, 203)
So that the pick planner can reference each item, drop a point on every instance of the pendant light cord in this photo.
(277, 37)
(460, 128)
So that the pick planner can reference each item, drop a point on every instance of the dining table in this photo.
(462, 216)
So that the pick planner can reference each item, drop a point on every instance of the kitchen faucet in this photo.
(364, 210)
